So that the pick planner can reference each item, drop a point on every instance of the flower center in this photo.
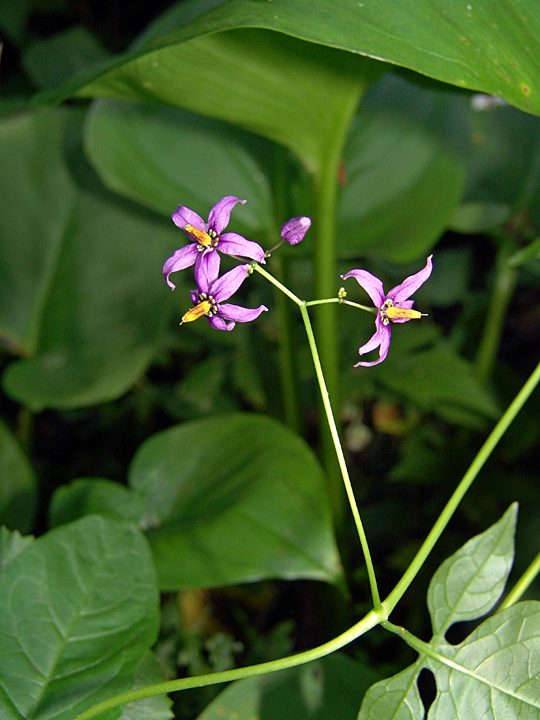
(389, 311)
(203, 239)
(206, 306)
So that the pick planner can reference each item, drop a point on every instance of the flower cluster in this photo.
(206, 239)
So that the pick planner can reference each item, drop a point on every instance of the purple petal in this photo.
(218, 324)
(184, 216)
(238, 313)
(380, 339)
(371, 284)
(206, 269)
(194, 295)
(405, 304)
(295, 229)
(228, 284)
(219, 215)
(182, 258)
(234, 244)
(411, 284)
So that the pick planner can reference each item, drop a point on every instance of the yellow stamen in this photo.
(396, 312)
(200, 236)
(196, 312)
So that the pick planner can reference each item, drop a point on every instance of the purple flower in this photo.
(395, 306)
(295, 229)
(206, 237)
(212, 290)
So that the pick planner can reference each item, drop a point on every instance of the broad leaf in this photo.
(81, 291)
(495, 669)
(468, 584)
(484, 45)
(18, 486)
(78, 610)
(326, 689)
(163, 157)
(401, 187)
(223, 500)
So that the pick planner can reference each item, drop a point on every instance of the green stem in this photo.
(530, 574)
(469, 477)
(503, 289)
(340, 301)
(368, 622)
(334, 434)
(287, 357)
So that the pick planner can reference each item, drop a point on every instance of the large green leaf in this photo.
(223, 500)
(78, 610)
(18, 486)
(494, 671)
(487, 45)
(327, 689)
(402, 185)
(81, 292)
(162, 157)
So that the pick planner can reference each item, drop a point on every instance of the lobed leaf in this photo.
(18, 485)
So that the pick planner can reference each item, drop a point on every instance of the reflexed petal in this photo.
(182, 258)
(238, 313)
(184, 216)
(228, 284)
(411, 284)
(371, 284)
(381, 339)
(219, 324)
(234, 244)
(206, 269)
(219, 215)
(295, 229)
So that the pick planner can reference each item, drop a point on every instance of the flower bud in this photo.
(295, 229)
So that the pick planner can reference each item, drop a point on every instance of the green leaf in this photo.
(18, 486)
(503, 656)
(495, 669)
(287, 90)
(82, 299)
(326, 689)
(78, 610)
(163, 157)
(468, 584)
(396, 215)
(52, 61)
(223, 500)
(397, 698)
(11, 544)
(486, 46)
(149, 672)
(438, 380)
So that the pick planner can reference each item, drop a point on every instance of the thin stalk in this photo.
(340, 457)
(361, 627)
(334, 434)
(503, 289)
(469, 477)
(530, 574)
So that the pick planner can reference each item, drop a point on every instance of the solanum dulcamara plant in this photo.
(207, 242)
